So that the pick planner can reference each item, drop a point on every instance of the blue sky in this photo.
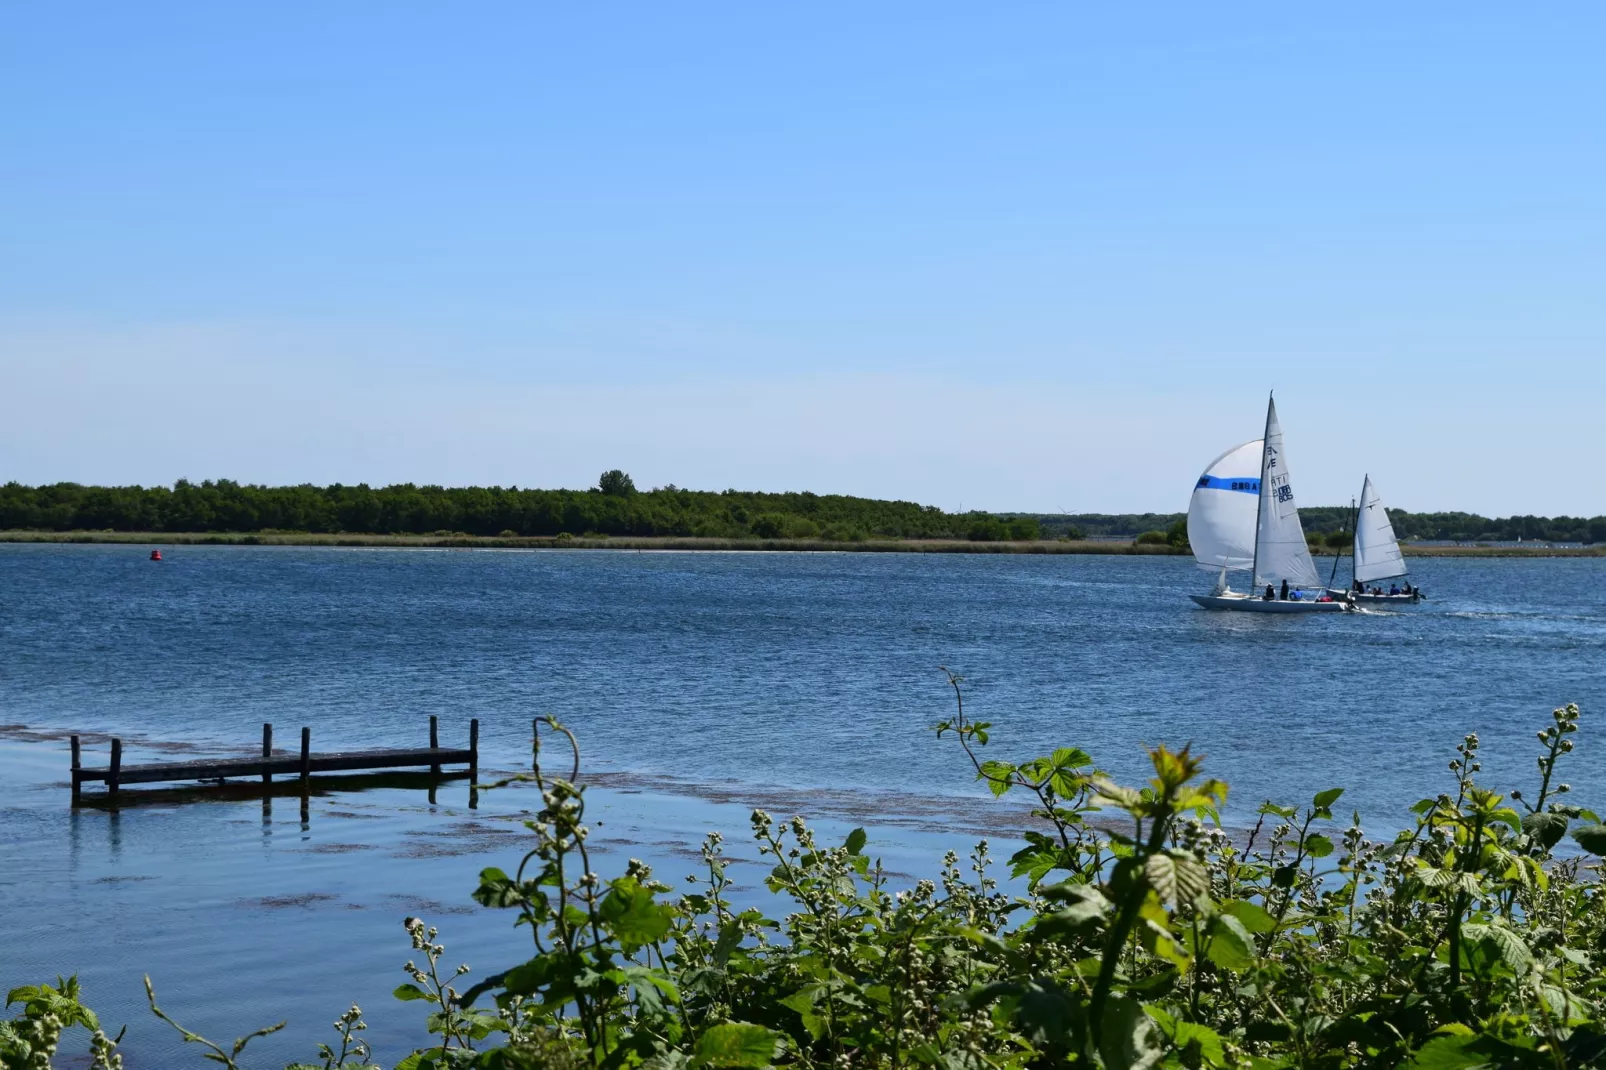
(1034, 257)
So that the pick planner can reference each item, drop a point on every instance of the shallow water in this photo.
(701, 684)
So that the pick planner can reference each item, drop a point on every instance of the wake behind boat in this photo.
(1232, 532)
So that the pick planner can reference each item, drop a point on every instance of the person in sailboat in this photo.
(1285, 590)
(1394, 588)
(1271, 595)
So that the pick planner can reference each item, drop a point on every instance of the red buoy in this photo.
(156, 555)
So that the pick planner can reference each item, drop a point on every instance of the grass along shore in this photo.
(463, 541)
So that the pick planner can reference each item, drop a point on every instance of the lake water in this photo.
(699, 684)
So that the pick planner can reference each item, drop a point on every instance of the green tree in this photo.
(1025, 529)
(616, 483)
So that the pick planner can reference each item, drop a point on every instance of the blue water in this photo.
(702, 682)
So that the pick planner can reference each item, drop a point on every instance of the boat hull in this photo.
(1382, 599)
(1245, 604)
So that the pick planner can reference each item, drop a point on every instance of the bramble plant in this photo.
(1139, 933)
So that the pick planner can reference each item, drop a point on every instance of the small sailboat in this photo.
(1240, 519)
(1376, 554)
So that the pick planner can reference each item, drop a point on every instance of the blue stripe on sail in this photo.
(1249, 485)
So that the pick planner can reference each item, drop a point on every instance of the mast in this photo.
(1355, 531)
(1260, 496)
(1334, 577)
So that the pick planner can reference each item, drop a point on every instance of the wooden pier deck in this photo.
(304, 764)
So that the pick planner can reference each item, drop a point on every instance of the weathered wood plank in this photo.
(304, 763)
(337, 761)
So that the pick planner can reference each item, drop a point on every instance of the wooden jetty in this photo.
(303, 765)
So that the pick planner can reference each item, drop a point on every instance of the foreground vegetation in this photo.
(1132, 932)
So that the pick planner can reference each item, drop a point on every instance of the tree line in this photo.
(614, 507)
(1330, 519)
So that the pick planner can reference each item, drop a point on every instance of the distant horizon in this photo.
(1042, 514)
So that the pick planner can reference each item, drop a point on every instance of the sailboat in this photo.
(1376, 552)
(1231, 531)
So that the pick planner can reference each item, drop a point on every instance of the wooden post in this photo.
(76, 765)
(434, 742)
(267, 752)
(117, 765)
(473, 751)
(306, 754)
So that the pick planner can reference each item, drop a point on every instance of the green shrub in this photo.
(1151, 538)
(1140, 934)
(769, 526)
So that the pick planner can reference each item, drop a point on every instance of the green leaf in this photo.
(1115, 794)
(1591, 838)
(1231, 947)
(735, 1044)
(1085, 907)
(1506, 816)
(410, 991)
(496, 889)
(730, 938)
(1318, 846)
(856, 841)
(1070, 758)
(1453, 1052)
(1129, 1039)
(1176, 877)
(998, 776)
(803, 1001)
(1546, 829)
(1505, 945)
(635, 918)
(22, 994)
(1199, 1045)
(1325, 799)
(1254, 917)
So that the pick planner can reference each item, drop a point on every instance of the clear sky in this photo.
(1031, 256)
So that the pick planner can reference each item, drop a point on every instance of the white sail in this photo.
(1377, 551)
(1280, 549)
(1221, 513)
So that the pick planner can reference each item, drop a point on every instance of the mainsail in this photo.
(1377, 551)
(1221, 513)
(1280, 549)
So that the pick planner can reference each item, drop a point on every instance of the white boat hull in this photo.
(1382, 599)
(1245, 604)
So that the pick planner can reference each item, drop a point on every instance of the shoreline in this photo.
(692, 543)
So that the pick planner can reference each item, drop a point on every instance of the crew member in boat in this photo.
(1271, 595)
(1285, 590)
(1394, 588)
